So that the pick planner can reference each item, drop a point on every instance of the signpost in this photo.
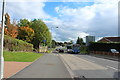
(1, 42)
(44, 42)
(44, 45)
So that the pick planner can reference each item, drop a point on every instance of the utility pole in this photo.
(1, 43)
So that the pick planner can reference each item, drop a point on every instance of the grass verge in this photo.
(21, 56)
(83, 52)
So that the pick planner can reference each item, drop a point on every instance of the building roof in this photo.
(110, 39)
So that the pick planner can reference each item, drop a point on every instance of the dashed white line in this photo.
(104, 59)
(88, 60)
(112, 68)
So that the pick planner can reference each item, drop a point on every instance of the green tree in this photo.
(71, 41)
(54, 43)
(41, 33)
(24, 23)
(59, 43)
(79, 41)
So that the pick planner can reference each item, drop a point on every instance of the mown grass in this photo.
(21, 56)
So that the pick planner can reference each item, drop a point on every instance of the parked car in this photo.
(57, 49)
(61, 51)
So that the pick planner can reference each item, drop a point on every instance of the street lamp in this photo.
(1, 41)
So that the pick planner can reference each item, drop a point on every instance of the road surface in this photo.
(47, 66)
(91, 67)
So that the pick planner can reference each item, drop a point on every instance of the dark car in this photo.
(57, 49)
(61, 51)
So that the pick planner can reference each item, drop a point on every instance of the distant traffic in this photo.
(72, 48)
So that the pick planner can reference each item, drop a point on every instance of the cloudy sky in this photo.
(74, 18)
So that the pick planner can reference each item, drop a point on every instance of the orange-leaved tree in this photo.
(25, 33)
(10, 29)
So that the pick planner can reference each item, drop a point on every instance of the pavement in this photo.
(91, 67)
(11, 68)
(47, 66)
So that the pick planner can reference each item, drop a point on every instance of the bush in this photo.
(12, 44)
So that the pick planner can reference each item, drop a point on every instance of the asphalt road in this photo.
(47, 66)
(110, 72)
(104, 62)
(91, 67)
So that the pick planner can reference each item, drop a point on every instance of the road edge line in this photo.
(68, 67)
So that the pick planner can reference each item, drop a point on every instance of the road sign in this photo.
(44, 40)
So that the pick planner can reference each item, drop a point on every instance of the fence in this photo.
(105, 53)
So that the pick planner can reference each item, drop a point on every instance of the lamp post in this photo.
(1, 43)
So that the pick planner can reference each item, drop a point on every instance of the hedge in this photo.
(12, 44)
(101, 46)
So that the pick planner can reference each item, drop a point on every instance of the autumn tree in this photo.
(25, 33)
(10, 29)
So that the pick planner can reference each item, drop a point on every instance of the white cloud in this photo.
(27, 10)
(99, 19)
(57, 9)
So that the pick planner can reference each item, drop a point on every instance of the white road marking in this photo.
(104, 59)
(88, 59)
(108, 60)
(112, 68)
